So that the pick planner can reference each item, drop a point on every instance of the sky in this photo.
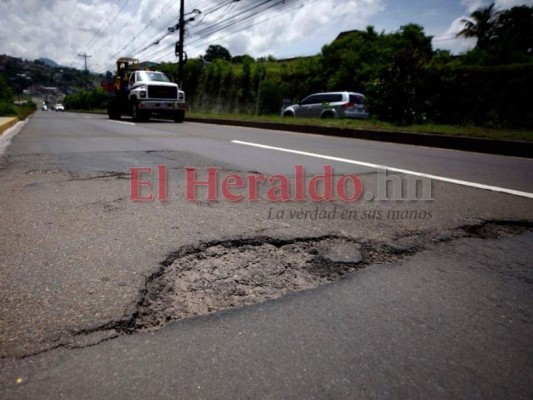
(62, 30)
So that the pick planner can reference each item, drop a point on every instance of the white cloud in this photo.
(62, 29)
(449, 40)
(303, 31)
(505, 4)
(472, 5)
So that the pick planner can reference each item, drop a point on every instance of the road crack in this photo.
(217, 275)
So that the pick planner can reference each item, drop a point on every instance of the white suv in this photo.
(329, 105)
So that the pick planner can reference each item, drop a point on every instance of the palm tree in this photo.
(481, 25)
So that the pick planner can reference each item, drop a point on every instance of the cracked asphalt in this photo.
(77, 254)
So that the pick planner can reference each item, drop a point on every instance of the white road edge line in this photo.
(399, 170)
(121, 122)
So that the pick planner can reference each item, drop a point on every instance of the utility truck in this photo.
(142, 93)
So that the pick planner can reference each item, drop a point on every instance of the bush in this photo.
(8, 109)
(25, 110)
(6, 95)
(92, 99)
(486, 96)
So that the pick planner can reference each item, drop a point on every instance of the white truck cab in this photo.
(152, 92)
(142, 93)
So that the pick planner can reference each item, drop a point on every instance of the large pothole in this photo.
(217, 276)
(234, 274)
(214, 276)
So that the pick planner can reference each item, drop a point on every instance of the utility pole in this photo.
(86, 56)
(180, 43)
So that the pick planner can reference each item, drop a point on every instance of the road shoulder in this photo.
(6, 123)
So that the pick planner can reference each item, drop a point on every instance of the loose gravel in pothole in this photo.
(212, 277)
(228, 275)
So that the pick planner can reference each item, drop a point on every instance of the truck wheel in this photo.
(135, 113)
(179, 116)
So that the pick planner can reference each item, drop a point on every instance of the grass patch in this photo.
(469, 131)
(22, 112)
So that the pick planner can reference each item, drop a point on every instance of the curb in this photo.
(478, 145)
(7, 123)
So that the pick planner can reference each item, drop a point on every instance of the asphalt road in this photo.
(439, 306)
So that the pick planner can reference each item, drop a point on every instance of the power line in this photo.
(99, 33)
(171, 30)
(230, 20)
(270, 10)
(255, 23)
(128, 22)
(166, 7)
(147, 44)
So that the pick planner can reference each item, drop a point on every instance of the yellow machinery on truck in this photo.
(143, 93)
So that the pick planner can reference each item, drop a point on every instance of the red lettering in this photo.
(253, 183)
(136, 183)
(357, 187)
(211, 184)
(281, 191)
(300, 183)
(232, 181)
(162, 192)
(327, 180)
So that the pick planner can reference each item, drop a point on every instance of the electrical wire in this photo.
(236, 14)
(215, 8)
(252, 25)
(100, 32)
(222, 25)
(248, 12)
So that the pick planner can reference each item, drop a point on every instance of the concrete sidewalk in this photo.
(6, 123)
(452, 322)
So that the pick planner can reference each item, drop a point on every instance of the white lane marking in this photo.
(5, 138)
(384, 167)
(120, 122)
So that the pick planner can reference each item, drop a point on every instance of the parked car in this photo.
(44, 107)
(59, 107)
(329, 105)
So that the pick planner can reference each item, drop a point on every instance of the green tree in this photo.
(514, 35)
(399, 92)
(170, 70)
(5, 91)
(481, 25)
(217, 52)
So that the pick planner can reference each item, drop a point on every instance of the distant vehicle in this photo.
(143, 93)
(329, 105)
(59, 107)
(44, 107)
